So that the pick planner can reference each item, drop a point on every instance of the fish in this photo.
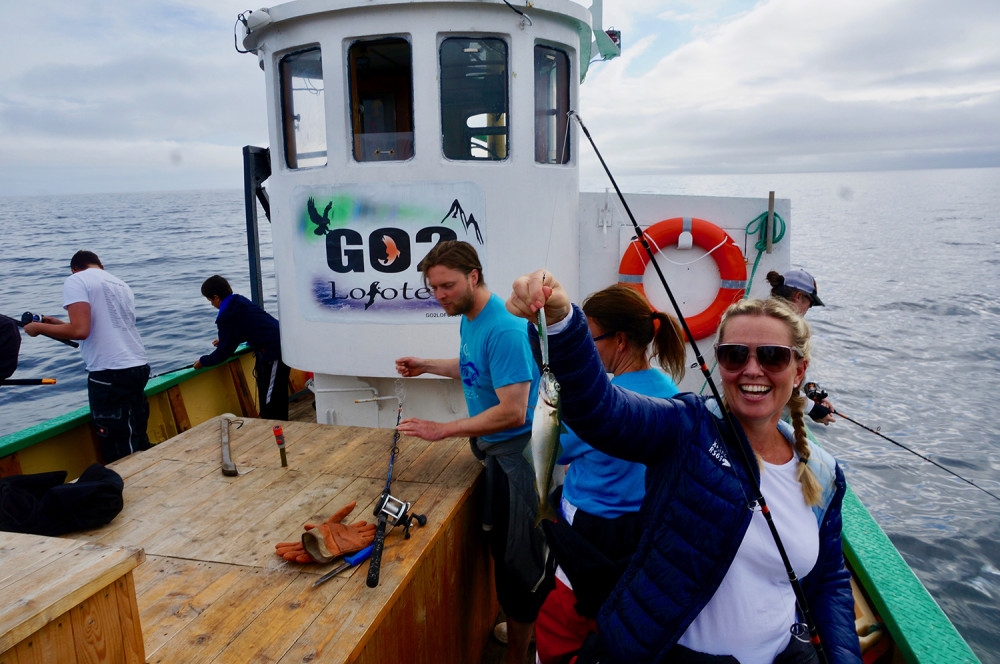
(545, 430)
(391, 251)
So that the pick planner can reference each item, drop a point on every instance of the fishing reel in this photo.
(814, 391)
(396, 513)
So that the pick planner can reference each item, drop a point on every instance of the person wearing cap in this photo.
(798, 288)
(101, 309)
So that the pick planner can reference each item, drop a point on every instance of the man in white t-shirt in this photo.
(101, 310)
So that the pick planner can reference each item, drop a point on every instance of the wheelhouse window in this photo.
(303, 114)
(381, 80)
(474, 100)
(551, 106)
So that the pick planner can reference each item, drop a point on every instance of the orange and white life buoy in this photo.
(724, 251)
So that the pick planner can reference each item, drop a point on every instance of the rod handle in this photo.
(375, 566)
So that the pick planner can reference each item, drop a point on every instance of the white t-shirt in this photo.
(750, 615)
(114, 342)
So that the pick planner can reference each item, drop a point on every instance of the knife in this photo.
(349, 561)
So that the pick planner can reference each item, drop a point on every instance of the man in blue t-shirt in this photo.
(500, 380)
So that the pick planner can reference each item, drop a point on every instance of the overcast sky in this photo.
(132, 95)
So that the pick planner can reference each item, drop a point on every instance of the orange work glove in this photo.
(332, 538)
(293, 551)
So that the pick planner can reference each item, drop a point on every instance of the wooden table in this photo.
(213, 590)
(67, 601)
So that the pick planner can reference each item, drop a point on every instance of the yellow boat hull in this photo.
(178, 401)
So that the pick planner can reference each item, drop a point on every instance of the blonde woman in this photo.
(706, 583)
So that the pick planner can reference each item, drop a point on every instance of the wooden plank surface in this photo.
(45, 577)
(213, 590)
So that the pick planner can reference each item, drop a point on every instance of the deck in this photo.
(212, 590)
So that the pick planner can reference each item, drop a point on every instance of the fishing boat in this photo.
(392, 125)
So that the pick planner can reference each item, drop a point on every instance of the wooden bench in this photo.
(67, 601)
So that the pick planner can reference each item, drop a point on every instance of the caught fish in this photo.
(545, 430)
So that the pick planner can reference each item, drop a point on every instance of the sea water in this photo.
(908, 343)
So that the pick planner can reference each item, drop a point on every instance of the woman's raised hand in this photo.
(535, 290)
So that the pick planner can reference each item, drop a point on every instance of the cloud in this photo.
(121, 95)
(126, 96)
(804, 86)
(143, 97)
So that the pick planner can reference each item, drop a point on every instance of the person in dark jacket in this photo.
(706, 583)
(239, 321)
(598, 530)
(10, 346)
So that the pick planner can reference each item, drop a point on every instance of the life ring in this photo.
(724, 251)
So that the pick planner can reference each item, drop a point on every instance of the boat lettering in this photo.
(389, 249)
(375, 291)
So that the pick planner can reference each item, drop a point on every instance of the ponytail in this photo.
(669, 347)
(622, 309)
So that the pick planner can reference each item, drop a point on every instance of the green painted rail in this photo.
(921, 630)
(19, 440)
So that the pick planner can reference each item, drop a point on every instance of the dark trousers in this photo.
(272, 387)
(119, 410)
(518, 600)
(594, 553)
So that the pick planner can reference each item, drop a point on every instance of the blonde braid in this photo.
(811, 489)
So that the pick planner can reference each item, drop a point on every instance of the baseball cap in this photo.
(803, 281)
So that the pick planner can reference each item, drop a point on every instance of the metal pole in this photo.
(256, 169)
(769, 229)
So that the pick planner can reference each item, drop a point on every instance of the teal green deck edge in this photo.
(15, 442)
(922, 631)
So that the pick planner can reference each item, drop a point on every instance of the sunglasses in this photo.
(773, 358)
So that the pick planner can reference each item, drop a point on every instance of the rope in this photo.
(758, 226)
(708, 253)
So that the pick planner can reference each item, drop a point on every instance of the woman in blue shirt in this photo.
(599, 530)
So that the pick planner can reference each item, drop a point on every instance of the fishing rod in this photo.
(727, 416)
(388, 507)
(170, 371)
(28, 381)
(817, 394)
(28, 317)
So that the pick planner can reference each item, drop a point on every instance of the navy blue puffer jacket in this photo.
(695, 511)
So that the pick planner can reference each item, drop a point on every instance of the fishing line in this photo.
(552, 227)
(727, 416)
(814, 392)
